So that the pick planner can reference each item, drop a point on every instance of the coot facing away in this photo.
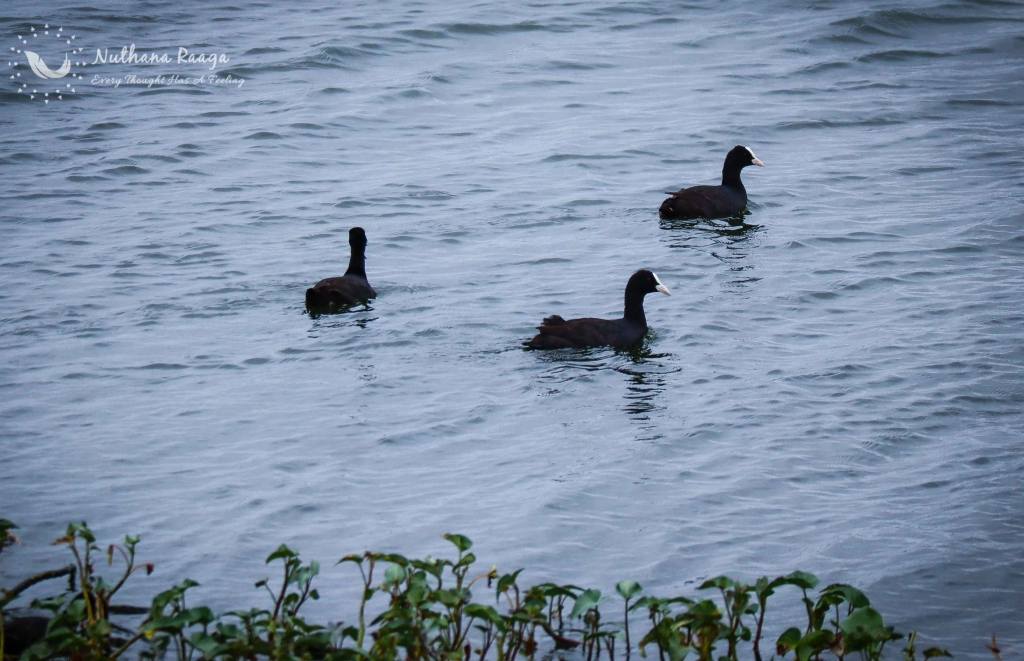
(332, 293)
(722, 201)
(557, 333)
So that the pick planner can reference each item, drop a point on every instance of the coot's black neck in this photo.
(357, 262)
(731, 175)
(635, 303)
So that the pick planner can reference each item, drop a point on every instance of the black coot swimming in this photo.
(332, 293)
(557, 333)
(722, 201)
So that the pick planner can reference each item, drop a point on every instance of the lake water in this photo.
(836, 387)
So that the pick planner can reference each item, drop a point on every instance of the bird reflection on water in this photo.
(354, 316)
(644, 369)
(728, 240)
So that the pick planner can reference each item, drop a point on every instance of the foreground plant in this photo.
(427, 610)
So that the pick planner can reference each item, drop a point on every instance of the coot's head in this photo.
(646, 282)
(357, 238)
(740, 157)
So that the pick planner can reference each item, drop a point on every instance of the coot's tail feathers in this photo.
(335, 297)
(553, 320)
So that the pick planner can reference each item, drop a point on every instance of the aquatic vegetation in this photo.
(436, 609)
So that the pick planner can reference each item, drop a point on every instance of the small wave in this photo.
(432, 195)
(823, 66)
(347, 204)
(555, 158)
(840, 39)
(924, 169)
(901, 55)
(21, 157)
(346, 52)
(103, 126)
(978, 102)
(956, 250)
(263, 135)
(622, 27)
(495, 28)
(545, 260)
(873, 283)
(262, 50)
(825, 123)
(576, 66)
(158, 157)
(793, 92)
(895, 22)
(424, 34)
(190, 90)
(125, 170)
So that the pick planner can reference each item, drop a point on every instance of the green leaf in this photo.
(552, 590)
(81, 529)
(864, 630)
(394, 574)
(483, 612)
(351, 557)
(101, 627)
(802, 580)
(450, 598)
(788, 640)
(281, 552)
(933, 652)
(848, 593)
(199, 615)
(628, 589)
(461, 542)
(506, 581)
(721, 582)
(395, 558)
(812, 643)
(863, 621)
(585, 601)
(205, 644)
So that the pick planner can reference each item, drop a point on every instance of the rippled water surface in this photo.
(835, 386)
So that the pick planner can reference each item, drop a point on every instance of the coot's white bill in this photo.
(660, 287)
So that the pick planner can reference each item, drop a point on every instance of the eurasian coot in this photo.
(722, 201)
(332, 293)
(557, 333)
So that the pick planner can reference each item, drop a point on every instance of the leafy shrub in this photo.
(429, 613)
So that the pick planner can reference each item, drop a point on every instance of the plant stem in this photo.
(128, 643)
(625, 623)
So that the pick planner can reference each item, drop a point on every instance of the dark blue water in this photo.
(835, 387)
